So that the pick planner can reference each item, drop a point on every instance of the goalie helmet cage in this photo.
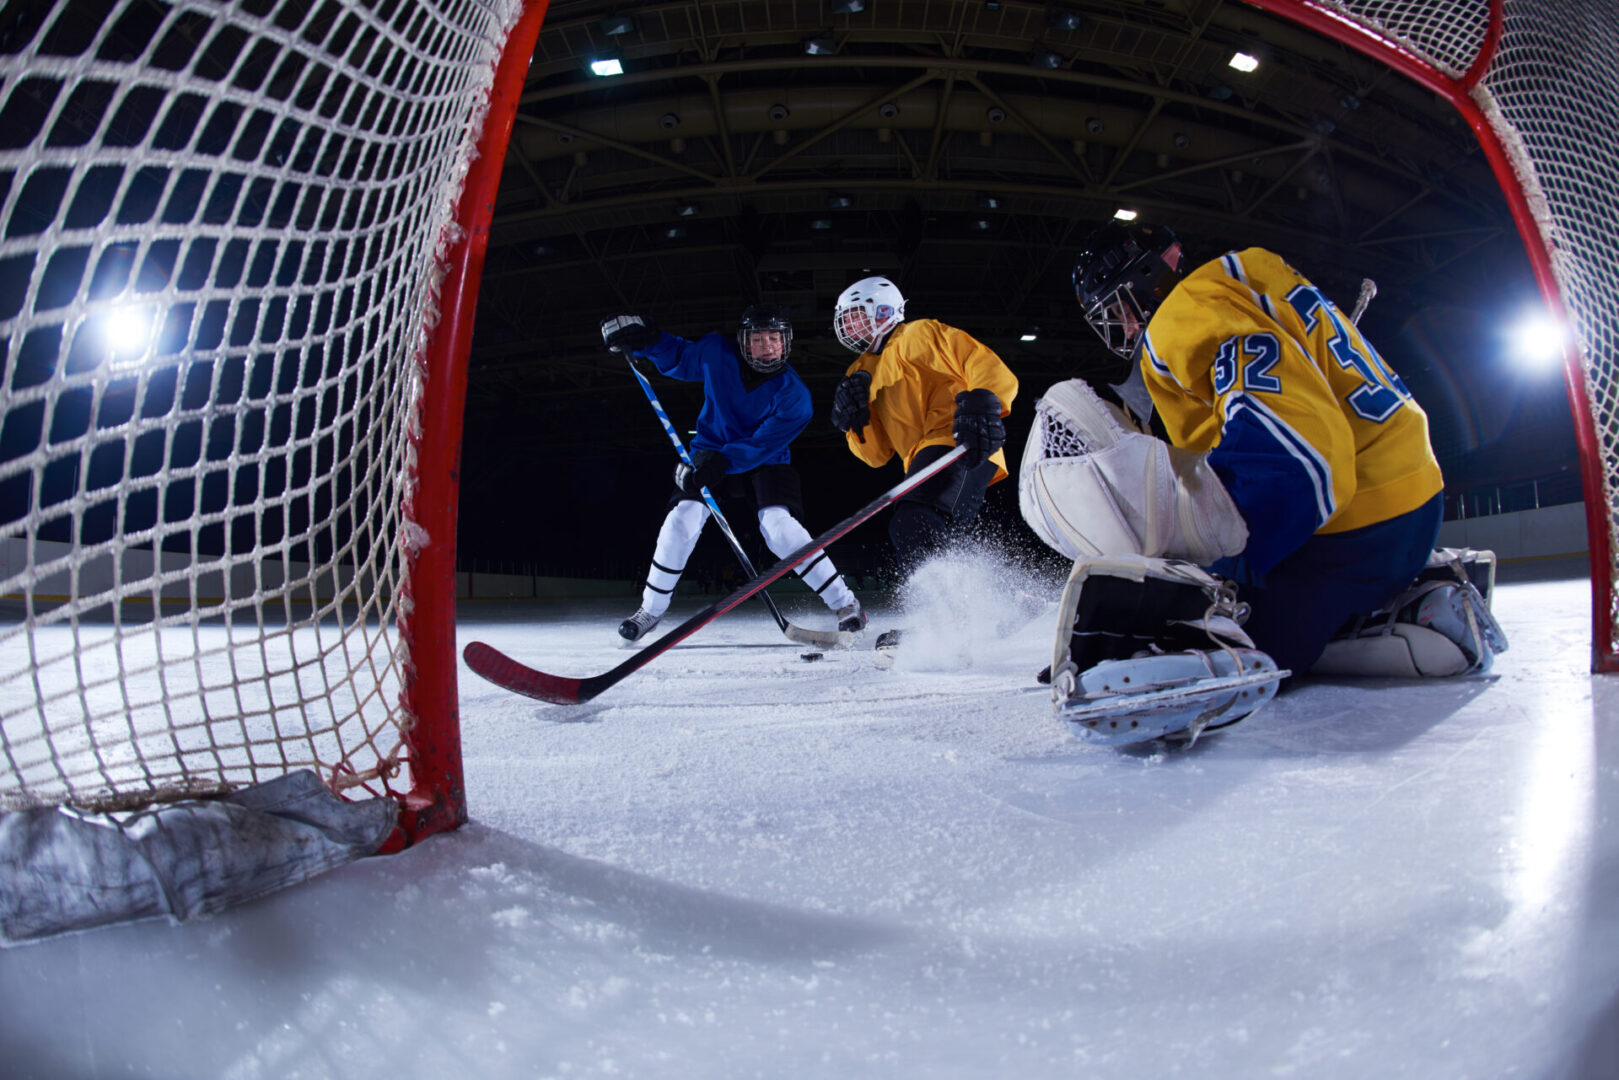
(240, 245)
(1538, 82)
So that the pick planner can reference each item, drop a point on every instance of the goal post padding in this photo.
(1538, 83)
(240, 245)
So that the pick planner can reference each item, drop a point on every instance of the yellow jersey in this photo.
(1308, 427)
(923, 365)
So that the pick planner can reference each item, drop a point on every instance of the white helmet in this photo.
(876, 298)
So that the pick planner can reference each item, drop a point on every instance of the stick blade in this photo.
(500, 669)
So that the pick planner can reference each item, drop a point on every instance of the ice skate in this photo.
(851, 618)
(1153, 648)
(635, 627)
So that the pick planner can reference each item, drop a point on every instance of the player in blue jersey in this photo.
(754, 406)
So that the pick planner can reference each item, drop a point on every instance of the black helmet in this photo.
(1120, 278)
(758, 319)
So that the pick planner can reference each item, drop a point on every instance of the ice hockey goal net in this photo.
(238, 247)
(1538, 80)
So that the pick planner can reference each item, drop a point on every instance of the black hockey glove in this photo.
(978, 425)
(628, 332)
(705, 471)
(851, 402)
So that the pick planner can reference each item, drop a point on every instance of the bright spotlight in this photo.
(1537, 341)
(1243, 62)
(1122, 214)
(127, 331)
(605, 66)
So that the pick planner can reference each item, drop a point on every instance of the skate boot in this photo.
(636, 626)
(1153, 649)
(851, 618)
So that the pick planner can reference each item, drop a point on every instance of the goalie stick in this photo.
(1368, 292)
(503, 671)
(826, 639)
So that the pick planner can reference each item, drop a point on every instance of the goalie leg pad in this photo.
(1441, 626)
(1150, 648)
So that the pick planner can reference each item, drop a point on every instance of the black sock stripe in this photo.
(655, 589)
(656, 565)
(803, 571)
(827, 584)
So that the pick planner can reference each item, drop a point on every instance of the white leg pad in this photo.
(785, 534)
(1091, 483)
(676, 539)
(1440, 627)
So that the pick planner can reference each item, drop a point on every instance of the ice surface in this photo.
(739, 863)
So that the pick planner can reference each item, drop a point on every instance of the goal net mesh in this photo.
(222, 229)
(1550, 91)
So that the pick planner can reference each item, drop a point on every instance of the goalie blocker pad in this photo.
(1439, 627)
(1152, 648)
(1091, 483)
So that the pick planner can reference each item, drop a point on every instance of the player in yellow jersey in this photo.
(917, 390)
(1297, 464)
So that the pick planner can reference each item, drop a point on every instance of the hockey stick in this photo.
(503, 671)
(826, 639)
(1368, 290)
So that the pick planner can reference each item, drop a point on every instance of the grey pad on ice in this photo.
(62, 870)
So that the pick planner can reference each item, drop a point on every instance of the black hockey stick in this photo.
(503, 671)
(826, 639)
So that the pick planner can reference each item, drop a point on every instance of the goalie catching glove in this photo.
(1091, 483)
(705, 471)
(629, 332)
(1153, 648)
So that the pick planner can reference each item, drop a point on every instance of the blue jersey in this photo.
(750, 427)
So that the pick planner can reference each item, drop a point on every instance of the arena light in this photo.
(1121, 214)
(126, 332)
(1244, 62)
(1031, 334)
(605, 66)
(1537, 340)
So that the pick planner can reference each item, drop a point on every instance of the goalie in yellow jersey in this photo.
(1297, 493)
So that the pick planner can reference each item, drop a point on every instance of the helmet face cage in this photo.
(1119, 320)
(757, 322)
(1120, 279)
(866, 312)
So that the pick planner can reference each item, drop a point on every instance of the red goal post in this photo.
(240, 248)
(1538, 82)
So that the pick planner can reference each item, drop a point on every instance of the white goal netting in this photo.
(1549, 91)
(221, 234)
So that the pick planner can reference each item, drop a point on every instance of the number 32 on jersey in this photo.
(1380, 393)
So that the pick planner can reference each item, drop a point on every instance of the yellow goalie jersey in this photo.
(1308, 428)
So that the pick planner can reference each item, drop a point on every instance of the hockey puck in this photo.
(810, 657)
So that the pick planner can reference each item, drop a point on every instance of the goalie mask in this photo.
(1120, 278)
(866, 312)
(765, 338)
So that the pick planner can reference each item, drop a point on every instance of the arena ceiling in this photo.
(776, 150)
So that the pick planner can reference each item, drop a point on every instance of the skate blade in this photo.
(1169, 708)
